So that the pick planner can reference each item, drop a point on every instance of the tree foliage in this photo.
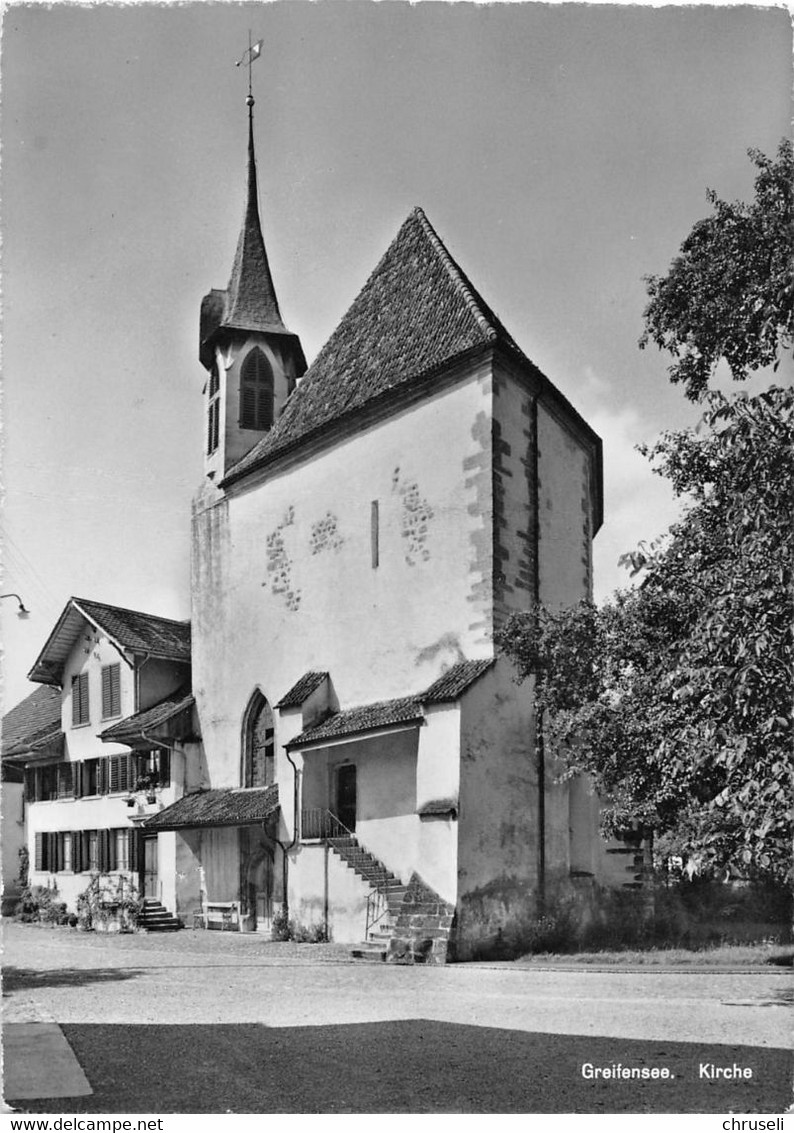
(676, 696)
(730, 292)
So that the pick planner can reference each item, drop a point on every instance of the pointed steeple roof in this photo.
(251, 302)
(416, 312)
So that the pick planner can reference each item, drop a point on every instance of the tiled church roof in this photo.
(302, 689)
(416, 312)
(455, 681)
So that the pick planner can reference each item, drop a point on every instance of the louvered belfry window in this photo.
(80, 699)
(256, 392)
(111, 691)
(213, 410)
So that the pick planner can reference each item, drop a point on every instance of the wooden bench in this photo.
(221, 914)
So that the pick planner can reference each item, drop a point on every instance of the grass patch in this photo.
(716, 956)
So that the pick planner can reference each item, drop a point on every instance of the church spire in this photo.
(251, 302)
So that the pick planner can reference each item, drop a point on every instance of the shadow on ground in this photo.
(416, 1066)
(29, 979)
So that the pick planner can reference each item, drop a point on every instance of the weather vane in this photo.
(253, 52)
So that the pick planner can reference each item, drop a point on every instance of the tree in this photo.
(730, 292)
(676, 696)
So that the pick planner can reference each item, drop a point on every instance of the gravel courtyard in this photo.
(200, 1022)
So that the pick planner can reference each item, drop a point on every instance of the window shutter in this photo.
(30, 785)
(77, 855)
(77, 780)
(75, 700)
(135, 849)
(164, 770)
(85, 849)
(113, 773)
(102, 775)
(52, 853)
(248, 407)
(38, 856)
(111, 863)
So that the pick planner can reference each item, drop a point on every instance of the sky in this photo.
(562, 152)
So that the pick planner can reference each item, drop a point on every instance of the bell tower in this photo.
(252, 361)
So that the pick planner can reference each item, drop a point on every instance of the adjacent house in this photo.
(31, 727)
(117, 741)
(363, 528)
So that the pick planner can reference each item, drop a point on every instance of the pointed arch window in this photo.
(256, 392)
(258, 762)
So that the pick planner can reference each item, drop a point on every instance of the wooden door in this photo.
(151, 886)
(346, 795)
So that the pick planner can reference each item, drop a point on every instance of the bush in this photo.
(39, 903)
(285, 929)
(106, 901)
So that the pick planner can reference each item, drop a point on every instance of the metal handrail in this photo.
(320, 823)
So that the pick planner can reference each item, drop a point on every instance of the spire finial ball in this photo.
(249, 101)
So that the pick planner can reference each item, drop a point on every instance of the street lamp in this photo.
(22, 612)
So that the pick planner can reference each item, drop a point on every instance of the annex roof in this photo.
(387, 713)
(32, 724)
(416, 312)
(302, 690)
(134, 730)
(130, 630)
(366, 718)
(243, 806)
(451, 684)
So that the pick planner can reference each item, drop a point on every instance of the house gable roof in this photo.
(416, 312)
(33, 723)
(132, 630)
(135, 730)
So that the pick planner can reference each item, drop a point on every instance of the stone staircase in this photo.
(154, 917)
(387, 895)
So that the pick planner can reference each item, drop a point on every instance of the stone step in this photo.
(372, 953)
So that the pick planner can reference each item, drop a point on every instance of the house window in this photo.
(91, 777)
(47, 787)
(66, 852)
(111, 691)
(65, 780)
(80, 699)
(258, 744)
(256, 392)
(122, 849)
(151, 769)
(118, 774)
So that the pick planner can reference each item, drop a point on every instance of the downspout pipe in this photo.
(286, 848)
(540, 738)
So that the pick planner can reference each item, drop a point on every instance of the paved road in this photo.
(203, 1022)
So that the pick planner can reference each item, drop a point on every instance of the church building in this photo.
(371, 769)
